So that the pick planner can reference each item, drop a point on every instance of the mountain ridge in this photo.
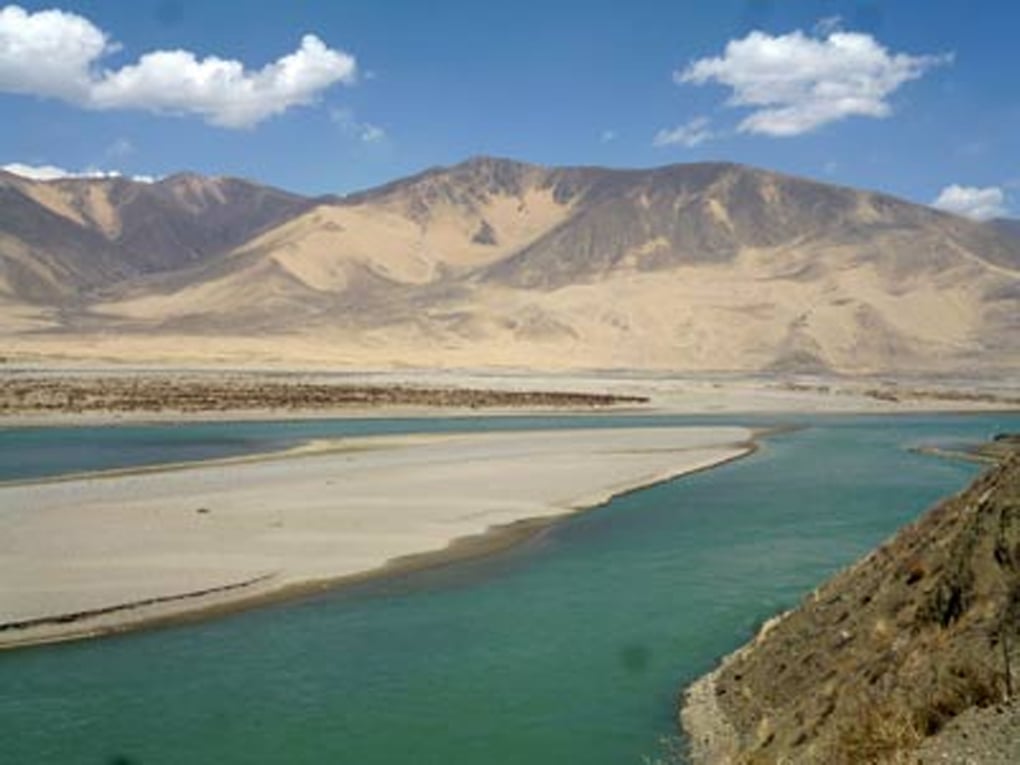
(145, 227)
(495, 262)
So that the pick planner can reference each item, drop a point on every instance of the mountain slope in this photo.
(68, 237)
(186, 218)
(887, 652)
(427, 228)
(45, 255)
(1011, 228)
(704, 214)
(493, 262)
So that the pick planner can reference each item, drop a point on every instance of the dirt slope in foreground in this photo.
(888, 655)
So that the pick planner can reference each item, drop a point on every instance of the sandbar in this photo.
(99, 553)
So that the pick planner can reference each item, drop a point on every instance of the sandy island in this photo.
(103, 553)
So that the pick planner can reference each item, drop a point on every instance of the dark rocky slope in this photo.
(60, 240)
(888, 654)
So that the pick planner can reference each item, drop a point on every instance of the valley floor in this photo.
(103, 552)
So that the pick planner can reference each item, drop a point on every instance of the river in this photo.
(569, 648)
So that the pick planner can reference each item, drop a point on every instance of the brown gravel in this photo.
(978, 736)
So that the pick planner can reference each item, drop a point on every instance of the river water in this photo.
(569, 648)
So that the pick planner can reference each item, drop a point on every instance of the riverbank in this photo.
(97, 554)
(908, 655)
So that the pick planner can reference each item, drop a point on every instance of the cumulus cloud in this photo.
(796, 83)
(972, 202)
(57, 54)
(54, 173)
(693, 133)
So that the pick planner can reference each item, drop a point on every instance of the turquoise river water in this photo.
(569, 648)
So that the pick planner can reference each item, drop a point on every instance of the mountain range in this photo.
(496, 263)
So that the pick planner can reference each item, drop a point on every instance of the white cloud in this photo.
(972, 202)
(56, 54)
(122, 147)
(693, 133)
(50, 53)
(608, 136)
(795, 83)
(54, 173)
(366, 132)
(372, 133)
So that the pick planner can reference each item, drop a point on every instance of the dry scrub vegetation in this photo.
(887, 653)
(27, 394)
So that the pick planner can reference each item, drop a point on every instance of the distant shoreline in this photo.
(106, 395)
(42, 396)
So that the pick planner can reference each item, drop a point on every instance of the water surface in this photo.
(569, 648)
(39, 452)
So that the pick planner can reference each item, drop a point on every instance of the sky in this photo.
(917, 98)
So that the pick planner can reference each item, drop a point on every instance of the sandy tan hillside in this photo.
(492, 263)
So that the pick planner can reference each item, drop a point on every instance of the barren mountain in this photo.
(64, 238)
(1009, 226)
(493, 262)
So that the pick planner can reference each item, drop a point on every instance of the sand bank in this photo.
(103, 553)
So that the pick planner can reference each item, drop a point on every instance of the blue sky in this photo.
(905, 96)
